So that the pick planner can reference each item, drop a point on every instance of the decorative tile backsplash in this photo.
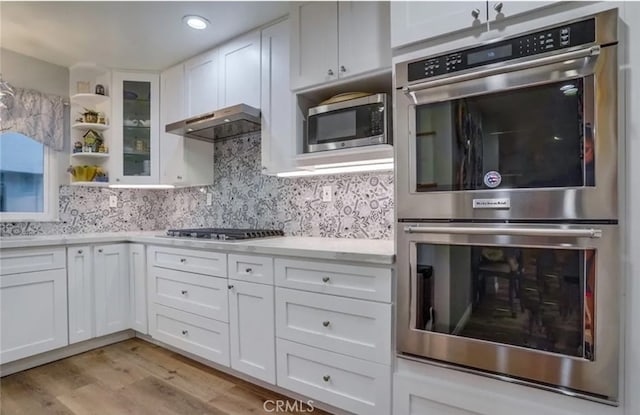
(361, 206)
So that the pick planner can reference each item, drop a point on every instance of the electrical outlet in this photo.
(326, 193)
(209, 199)
(113, 201)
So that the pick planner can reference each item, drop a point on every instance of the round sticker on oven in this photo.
(492, 179)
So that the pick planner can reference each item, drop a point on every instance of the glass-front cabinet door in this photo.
(136, 122)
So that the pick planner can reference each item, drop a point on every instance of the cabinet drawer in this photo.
(15, 261)
(193, 293)
(368, 283)
(201, 262)
(251, 268)
(354, 327)
(201, 336)
(351, 384)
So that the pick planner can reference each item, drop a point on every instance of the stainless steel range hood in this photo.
(226, 122)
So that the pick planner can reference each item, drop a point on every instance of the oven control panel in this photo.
(561, 37)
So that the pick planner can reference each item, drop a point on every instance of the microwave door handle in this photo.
(462, 230)
(506, 67)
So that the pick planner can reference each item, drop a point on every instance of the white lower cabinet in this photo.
(138, 287)
(33, 302)
(111, 283)
(252, 329)
(345, 382)
(195, 334)
(80, 293)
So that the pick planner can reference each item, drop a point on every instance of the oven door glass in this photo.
(537, 298)
(534, 137)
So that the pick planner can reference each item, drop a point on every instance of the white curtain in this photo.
(34, 114)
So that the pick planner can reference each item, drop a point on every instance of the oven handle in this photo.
(576, 54)
(462, 230)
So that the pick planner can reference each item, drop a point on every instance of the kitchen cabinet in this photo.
(33, 302)
(239, 72)
(201, 83)
(183, 161)
(135, 148)
(415, 21)
(111, 282)
(278, 142)
(332, 40)
(80, 293)
(138, 287)
(252, 329)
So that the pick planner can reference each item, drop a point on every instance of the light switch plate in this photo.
(326, 193)
(113, 201)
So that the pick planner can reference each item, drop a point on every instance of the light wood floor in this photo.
(132, 377)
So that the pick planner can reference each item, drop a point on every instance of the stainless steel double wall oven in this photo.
(507, 199)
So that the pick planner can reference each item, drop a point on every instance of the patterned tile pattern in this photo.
(361, 207)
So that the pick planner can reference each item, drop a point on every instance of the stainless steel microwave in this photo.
(351, 123)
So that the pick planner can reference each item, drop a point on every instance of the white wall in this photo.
(26, 72)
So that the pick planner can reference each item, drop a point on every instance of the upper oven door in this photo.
(533, 138)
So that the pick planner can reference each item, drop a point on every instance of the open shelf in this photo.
(89, 125)
(347, 155)
(90, 155)
(89, 99)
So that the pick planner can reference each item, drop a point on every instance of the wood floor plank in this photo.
(132, 377)
(20, 395)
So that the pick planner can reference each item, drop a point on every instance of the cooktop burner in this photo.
(224, 234)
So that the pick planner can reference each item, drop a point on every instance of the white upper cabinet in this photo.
(314, 43)
(240, 71)
(278, 138)
(363, 37)
(413, 21)
(333, 40)
(501, 10)
(183, 161)
(135, 152)
(201, 83)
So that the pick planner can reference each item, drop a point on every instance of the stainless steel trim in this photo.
(504, 68)
(356, 102)
(225, 122)
(494, 230)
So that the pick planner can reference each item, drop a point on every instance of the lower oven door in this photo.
(535, 303)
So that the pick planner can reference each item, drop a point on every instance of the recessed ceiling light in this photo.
(195, 22)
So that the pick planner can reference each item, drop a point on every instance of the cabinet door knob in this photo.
(326, 378)
(179, 177)
(99, 251)
(475, 13)
(185, 332)
(184, 292)
(79, 251)
(330, 72)
(326, 323)
(248, 270)
(498, 7)
(342, 68)
(117, 180)
(230, 287)
(325, 279)
(183, 260)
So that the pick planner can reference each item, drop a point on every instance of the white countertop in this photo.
(374, 251)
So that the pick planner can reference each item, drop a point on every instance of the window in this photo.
(26, 188)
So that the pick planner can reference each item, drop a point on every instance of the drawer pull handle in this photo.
(185, 332)
(79, 251)
(184, 292)
(326, 378)
(248, 270)
(183, 260)
(99, 251)
(325, 279)
(326, 323)
(230, 287)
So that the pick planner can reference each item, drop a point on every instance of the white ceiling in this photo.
(147, 35)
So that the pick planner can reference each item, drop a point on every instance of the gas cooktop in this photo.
(224, 234)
